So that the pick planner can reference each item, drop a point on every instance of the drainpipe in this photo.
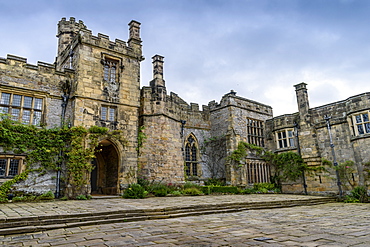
(65, 98)
(327, 119)
(296, 127)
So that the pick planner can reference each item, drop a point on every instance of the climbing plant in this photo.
(46, 149)
(141, 137)
(288, 166)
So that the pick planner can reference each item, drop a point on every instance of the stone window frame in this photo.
(111, 64)
(6, 169)
(192, 167)
(255, 132)
(108, 113)
(285, 138)
(360, 122)
(22, 107)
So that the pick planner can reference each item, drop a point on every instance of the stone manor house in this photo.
(96, 82)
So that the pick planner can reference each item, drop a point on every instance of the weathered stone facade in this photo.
(350, 131)
(96, 82)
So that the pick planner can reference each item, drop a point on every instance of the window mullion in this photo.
(7, 167)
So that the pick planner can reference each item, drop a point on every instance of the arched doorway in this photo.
(104, 177)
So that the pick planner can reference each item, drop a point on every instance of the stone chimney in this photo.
(158, 84)
(302, 99)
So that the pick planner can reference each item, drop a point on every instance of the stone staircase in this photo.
(42, 223)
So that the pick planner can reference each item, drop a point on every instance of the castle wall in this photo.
(41, 81)
(314, 141)
(167, 122)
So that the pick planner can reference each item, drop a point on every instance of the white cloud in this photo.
(258, 48)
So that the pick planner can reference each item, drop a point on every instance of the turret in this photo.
(67, 30)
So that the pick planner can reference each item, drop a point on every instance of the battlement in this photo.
(12, 60)
(103, 41)
(231, 99)
(71, 33)
(69, 26)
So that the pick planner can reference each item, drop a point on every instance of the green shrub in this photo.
(206, 190)
(263, 187)
(3, 200)
(26, 198)
(134, 191)
(192, 185)
(192, 191)
(161, 190)
(358, 194)
(248, 191)
(46, 196)
(220, 189)
(176, 193)
(81, 197)
(214, 182)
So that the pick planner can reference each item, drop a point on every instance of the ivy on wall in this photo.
(288, 166)
(47, 149)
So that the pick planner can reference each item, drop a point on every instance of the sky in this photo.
(258, 48)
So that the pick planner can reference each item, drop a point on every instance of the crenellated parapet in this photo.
(16, 72)
(72, 33)
(175, 108)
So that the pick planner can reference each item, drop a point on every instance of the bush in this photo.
(134, 191)
(358, 194)
(265, 188)
(248, 191)
(176, 193)
(81, 197)
(192, 191)
(46, 196)
(215, 182)
(24, 199)
(188, 185)
(220, 189)
(161, 190)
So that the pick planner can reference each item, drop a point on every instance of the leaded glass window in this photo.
(191, 156)
(22, 108)
(285, 138)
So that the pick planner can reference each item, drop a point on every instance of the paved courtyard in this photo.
(333, 224)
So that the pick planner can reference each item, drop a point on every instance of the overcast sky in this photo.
(259, 48)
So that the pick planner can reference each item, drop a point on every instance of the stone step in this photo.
(42, 223)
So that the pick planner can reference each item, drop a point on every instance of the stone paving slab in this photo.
(332, 224)
(19, 210)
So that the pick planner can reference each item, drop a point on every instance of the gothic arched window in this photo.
(191, 156)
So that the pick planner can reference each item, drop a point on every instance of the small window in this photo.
(108, 113)
(10, 167)
(361, 123)
(285, 138)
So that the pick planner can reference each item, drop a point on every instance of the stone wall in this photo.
(314, 140)
(42, 81)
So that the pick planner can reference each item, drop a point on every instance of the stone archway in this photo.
(104, 177)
